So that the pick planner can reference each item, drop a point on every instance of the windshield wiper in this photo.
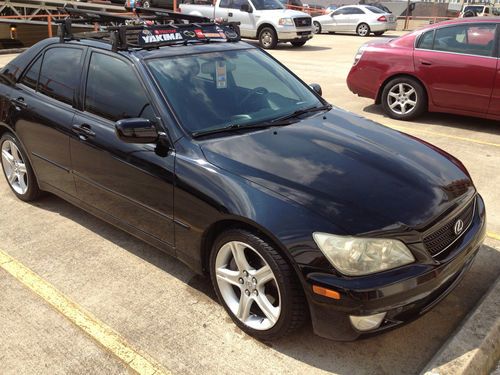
(235, 127)
(280, 121)
(301, 112)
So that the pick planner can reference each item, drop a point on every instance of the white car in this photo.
(361, 19)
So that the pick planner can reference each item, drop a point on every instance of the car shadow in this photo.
(445, 119)
(392, 352)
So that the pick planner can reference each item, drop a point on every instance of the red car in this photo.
(446, 67)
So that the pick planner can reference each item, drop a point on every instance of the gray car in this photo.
(361, 19)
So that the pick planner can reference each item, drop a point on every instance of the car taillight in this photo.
(359, 54)
(382, 19)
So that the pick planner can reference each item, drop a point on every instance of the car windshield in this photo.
(232, 88)
(267, 4)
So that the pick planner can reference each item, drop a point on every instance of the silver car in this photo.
(361, 19)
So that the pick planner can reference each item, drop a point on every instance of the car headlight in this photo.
(355, 256)
(286, 22)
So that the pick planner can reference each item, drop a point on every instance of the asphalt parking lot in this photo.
(168, 314)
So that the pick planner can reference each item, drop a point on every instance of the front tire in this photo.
(404, 98)
(317, 27)
(363, 29)
(17, 169)
(256, 285)
(299, 43)
(268, 38)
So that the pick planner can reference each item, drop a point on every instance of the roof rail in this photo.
(146, 28)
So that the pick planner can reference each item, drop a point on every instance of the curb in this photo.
(474, 348)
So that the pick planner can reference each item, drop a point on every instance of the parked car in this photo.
(220, 156)
(476, 10)
(361, 19)
(268, 21)
(447, 67)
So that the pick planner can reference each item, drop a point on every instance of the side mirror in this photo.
(245, 7)
(136, 130)
(317, 88)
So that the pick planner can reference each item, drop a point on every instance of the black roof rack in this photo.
(146, 28)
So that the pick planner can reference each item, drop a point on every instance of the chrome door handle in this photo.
(84, 131)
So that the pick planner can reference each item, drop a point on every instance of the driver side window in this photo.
(108, 76)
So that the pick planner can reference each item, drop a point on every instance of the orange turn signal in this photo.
(326, 292)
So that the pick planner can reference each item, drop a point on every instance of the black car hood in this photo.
(360, 175)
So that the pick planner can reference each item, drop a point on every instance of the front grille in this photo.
(302, 21)
(438, 241)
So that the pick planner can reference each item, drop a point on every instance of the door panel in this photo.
(43, 127)
(495, 96)
(457, 81)
(44, 113)
(130, 182)
(458, 66)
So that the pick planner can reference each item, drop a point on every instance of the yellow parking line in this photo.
(416, 129)
(96, 329)
(493, 235)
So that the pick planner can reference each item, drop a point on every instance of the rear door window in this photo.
(30, 78)
(60, 73)
(426, 40)
(475, 39)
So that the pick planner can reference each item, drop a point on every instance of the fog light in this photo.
(367, 322)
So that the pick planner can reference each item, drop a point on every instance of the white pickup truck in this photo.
(265, 20)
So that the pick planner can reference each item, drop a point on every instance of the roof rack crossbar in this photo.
(147, 28)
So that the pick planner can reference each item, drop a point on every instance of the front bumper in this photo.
(404, 294)
(292, 33)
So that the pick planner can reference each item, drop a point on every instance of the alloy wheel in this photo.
(14, 167)
(402, 98)
(248, 285)
(363, 29)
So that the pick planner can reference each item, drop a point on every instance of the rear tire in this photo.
(268, 38)
(257, 276)
(363, 29)
(404, 98)
(17, 169)
(299, 43)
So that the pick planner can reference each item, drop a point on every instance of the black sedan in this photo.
(217, 154)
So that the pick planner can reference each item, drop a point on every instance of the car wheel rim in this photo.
(316, 28)
(267, 39)
(402, 98)
(363, 30)
(248, 285)
(14, 167)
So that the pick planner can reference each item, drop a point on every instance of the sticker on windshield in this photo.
(220, 74)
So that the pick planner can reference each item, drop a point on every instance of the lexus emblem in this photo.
(459, 227)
